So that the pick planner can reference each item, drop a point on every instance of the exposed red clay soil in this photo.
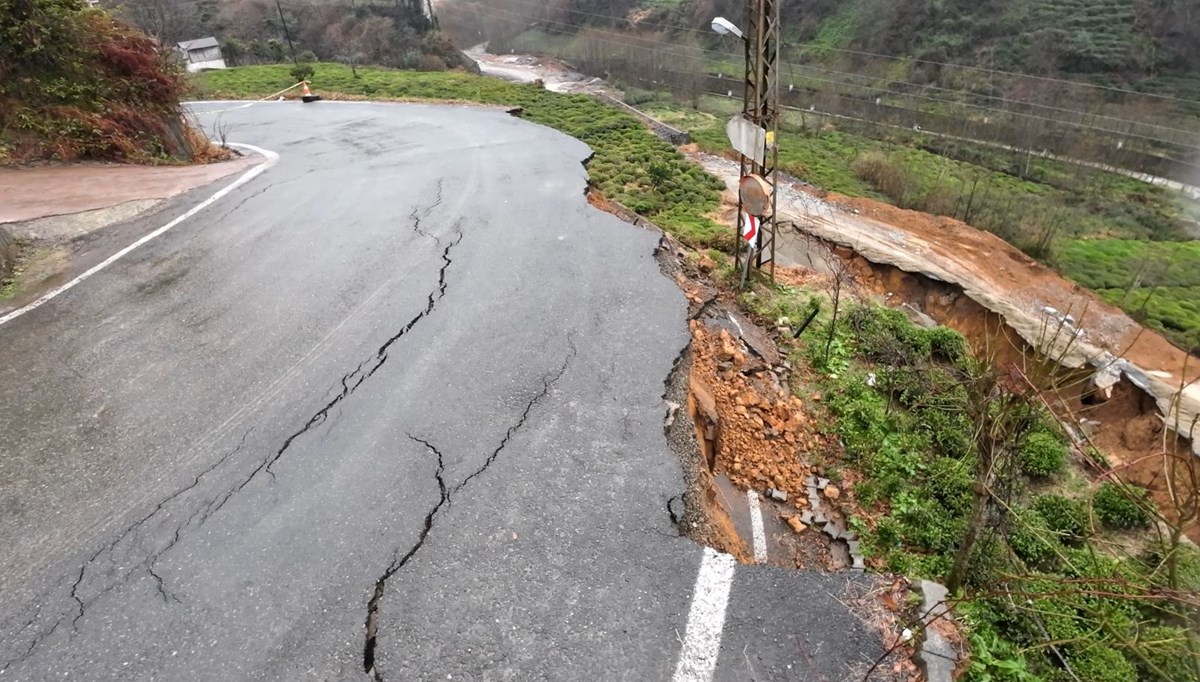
(1016, 277)
(762, 432)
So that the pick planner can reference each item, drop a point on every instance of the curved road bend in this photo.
(391, 409)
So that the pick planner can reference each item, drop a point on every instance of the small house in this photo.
(202, 54)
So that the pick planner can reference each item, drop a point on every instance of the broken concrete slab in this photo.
(936, 658)
(933, 600)
(756, 339)
(672, 409)
(8, 253)
(777, 495)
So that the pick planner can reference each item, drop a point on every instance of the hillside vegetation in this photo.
(1108, 81)
(397, 33)
(1154, 44)
(76, 83)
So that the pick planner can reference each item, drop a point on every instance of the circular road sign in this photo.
(756, 194)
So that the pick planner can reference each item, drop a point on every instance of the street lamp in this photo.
(725, 27)
(753, 136)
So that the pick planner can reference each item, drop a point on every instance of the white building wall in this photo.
(193, 67)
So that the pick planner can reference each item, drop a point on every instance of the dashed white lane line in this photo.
(706, 618)
(756, 528)
(249, 175)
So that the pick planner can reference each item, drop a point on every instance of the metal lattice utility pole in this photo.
(761, 107)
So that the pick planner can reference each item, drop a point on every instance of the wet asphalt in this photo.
(392, 409)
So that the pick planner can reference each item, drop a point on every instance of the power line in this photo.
(621, 40)
(1060, 81)
(1030, 116)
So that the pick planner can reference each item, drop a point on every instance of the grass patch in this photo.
(1158, 283)
(1123, 238)
(900, 406)
(630, 165)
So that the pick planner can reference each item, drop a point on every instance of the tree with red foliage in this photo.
(77, 83)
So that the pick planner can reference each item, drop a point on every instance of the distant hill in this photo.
(1150, 45)
(1115, 82)
(397, 33)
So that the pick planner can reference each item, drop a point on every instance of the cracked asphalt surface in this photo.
(391, 410)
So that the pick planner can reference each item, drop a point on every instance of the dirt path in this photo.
(556, 76)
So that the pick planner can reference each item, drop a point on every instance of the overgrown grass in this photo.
(1119, 236)
(630, 165)
(1006, 186)
(1047, 570)
(1157, 282)
(900, 410)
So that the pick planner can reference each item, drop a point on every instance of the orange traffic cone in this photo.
(307, 95)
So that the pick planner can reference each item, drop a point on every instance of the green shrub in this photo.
(635, 96)
(1099, 664)
(1032, 539)
(994, 659)
(947, 344)
(886, 335)
(1066, 517)
(829, 358)
(1120, 507)
(302, 72)
(77, 83)
(1042, 455)
(1161, 654)
(949, 481)
(888, 176)
(949, 431)
(988, 563)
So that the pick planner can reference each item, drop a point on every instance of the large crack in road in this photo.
(446, 496)
(349, 382)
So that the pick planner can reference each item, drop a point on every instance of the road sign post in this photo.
(760, 110)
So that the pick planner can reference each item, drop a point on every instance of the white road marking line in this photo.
(756, 528)
(741, 332)
(706, 619)
(249, 175)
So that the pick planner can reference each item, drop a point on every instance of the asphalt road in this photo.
(393, 408)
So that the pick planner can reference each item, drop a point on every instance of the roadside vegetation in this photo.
(77, 84)
(396, 33)
(959, 473)
(630, 166)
